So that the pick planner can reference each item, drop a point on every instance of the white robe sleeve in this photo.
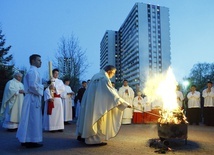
(47, 94)
(34, 84)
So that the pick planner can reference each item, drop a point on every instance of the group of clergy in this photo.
(145, 112)
(142, 110)
(194, 105)
(58, 98)
(139, 113)
(58, 104)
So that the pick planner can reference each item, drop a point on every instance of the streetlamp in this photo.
(185, 85)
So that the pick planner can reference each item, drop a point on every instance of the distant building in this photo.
(64, 66)
(141, 46)
(109, 50)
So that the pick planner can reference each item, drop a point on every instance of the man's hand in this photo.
(126, 91)
(52, 87)
(51, 100)
(70, 93)
(208, 90)
(129, 106)
(21, 91)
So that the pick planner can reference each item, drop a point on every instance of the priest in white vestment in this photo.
(101, 109)
(30, 127)
(54, 119)
(127, 94)
(12, 102)
(67, 101)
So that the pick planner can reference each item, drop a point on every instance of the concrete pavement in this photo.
(132, 139)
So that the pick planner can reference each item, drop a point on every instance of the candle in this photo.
(51, 76)
(50, 69)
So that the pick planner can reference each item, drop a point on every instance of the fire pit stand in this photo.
(172, 131)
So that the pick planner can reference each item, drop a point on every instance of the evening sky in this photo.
(36, 26)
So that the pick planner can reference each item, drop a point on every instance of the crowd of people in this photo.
(99, 107)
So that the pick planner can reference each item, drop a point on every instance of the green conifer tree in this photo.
(6, 66)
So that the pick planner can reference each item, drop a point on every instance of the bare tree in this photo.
(71, 60)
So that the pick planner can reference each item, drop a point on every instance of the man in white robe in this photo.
(67, 101)
(54, 121)
(101, 109)
(12, 103)
(208, 113)
(138, 108)
(30, 127)
(127, 94)
(194, 106)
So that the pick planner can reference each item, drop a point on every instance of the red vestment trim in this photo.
(50, 107)
(51, 104)
(56, 95)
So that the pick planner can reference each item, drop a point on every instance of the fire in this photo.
(162, 88)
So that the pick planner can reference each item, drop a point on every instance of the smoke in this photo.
(161, 88)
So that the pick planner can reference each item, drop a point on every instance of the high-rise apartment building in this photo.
(107, 48)
(141, 46)
(64, 64)
(109, 51)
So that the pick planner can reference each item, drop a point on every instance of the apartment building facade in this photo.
(141, 46)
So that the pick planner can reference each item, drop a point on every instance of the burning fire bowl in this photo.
(168, 131)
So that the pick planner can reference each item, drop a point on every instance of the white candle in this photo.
(50, 69)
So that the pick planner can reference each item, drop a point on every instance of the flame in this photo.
(162, 88)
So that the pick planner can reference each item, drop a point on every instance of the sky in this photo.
(36, 26)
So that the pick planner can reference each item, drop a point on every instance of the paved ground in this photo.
(132, 139)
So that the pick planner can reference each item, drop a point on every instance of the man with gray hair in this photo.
(101, 110)
(12, 102)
